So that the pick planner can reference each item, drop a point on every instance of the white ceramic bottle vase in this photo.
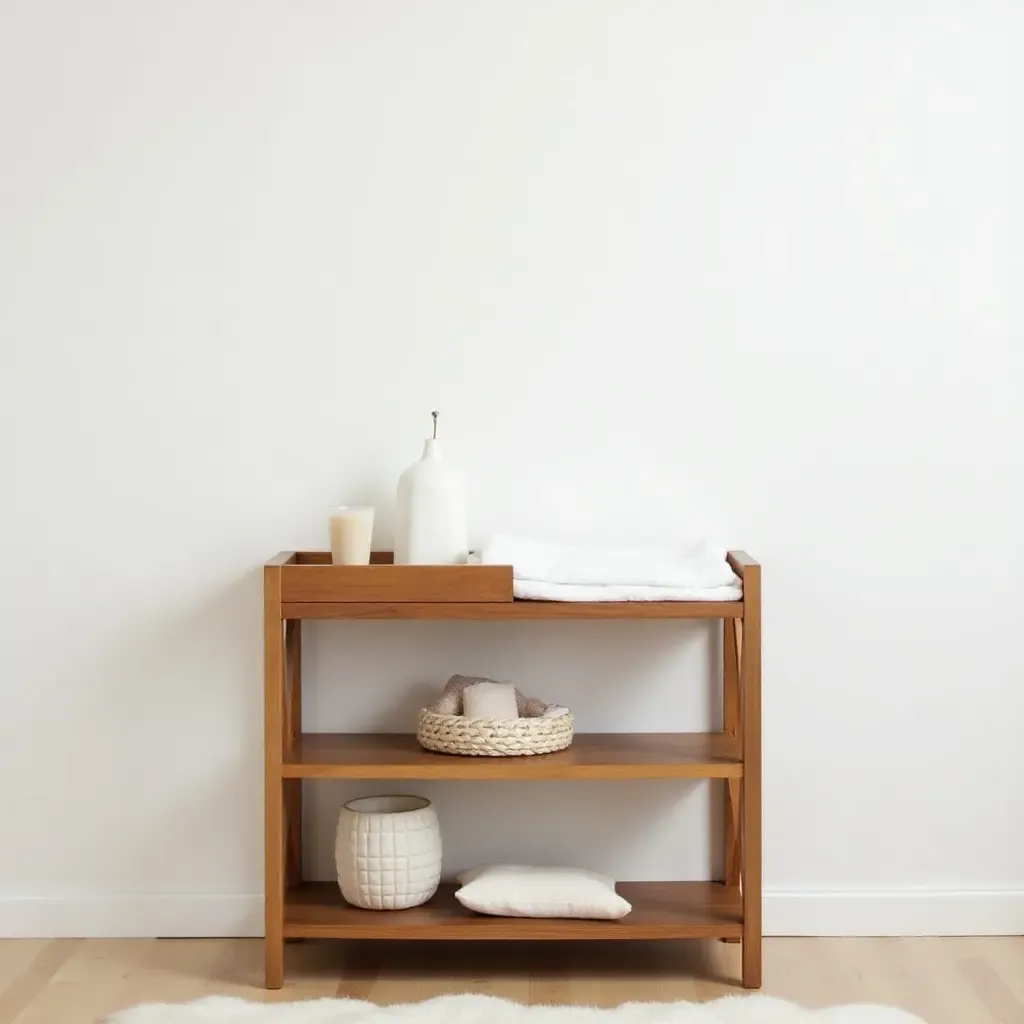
(431, 521)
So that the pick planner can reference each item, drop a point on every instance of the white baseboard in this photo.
(797, 912)
(895, 912)
(191, 915)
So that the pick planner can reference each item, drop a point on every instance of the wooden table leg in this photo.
(750, 799)
(293, 728)
(731, 853)
(274, 739)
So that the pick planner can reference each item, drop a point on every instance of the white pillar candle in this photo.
(351, 530)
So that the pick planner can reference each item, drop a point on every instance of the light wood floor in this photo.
(946, 981)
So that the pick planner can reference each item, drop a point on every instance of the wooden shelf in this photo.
(305, 585)
(591, 756)
(661, 910)
(500, 611)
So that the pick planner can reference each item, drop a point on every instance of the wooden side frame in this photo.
(274, 724)
(282, 728)
(749, 671)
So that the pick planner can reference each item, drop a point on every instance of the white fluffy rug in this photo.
(473, 1009)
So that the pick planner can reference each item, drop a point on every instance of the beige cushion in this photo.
(511, 890)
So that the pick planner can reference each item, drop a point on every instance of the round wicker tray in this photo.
(493, 737)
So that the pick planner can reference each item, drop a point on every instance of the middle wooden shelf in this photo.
(661, 755)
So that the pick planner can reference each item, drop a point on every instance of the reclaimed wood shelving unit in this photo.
(304, 585)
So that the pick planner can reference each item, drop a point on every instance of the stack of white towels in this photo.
(550, 571)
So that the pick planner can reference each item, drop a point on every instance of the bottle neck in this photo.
(431, 448)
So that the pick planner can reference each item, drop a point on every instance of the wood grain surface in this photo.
(943, 981)
(479, 611)
(395, 583)
(661, 910)
(591, 756)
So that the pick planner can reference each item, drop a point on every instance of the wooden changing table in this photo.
(304, 585)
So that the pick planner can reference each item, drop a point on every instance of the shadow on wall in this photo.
(626, 829)
(617, 676)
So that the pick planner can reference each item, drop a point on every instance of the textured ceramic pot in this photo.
(388, 852)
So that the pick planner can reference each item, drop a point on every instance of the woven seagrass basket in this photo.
(493, 737)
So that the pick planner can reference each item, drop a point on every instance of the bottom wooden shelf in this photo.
(661, 910)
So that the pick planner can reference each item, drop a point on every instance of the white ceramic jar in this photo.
(388, 852)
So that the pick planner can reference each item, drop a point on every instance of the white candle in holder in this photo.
(351, 529)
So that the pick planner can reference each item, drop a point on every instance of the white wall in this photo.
(740, 266)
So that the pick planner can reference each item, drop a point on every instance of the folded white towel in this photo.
(490, 700)
(534, 590)
(555, 711)
(698, 566)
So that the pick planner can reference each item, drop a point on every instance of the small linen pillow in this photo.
(511, 890)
